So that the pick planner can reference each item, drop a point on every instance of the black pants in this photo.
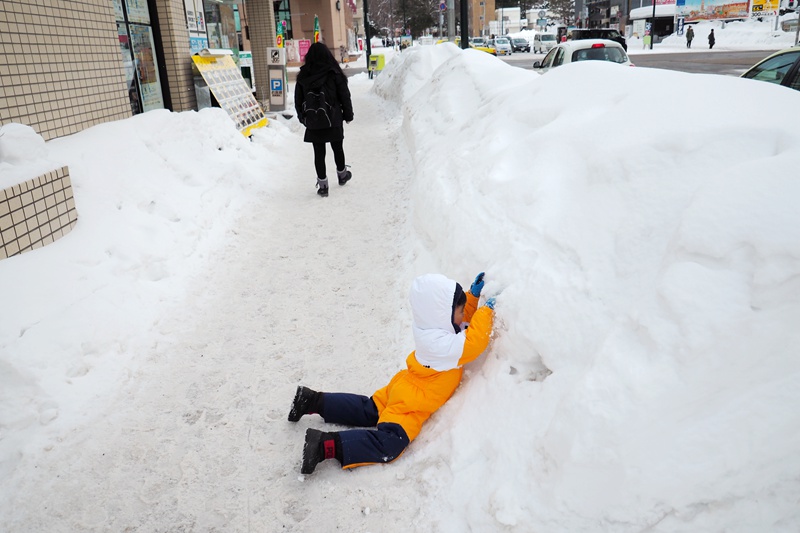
(363, 446)
(319, 157)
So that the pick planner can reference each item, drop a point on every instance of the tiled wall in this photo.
(60, 65)
(177, 53)
(261, 17)
(36, 213)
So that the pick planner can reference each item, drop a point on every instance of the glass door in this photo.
(138, 55)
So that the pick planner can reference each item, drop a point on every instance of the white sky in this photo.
(643, 373)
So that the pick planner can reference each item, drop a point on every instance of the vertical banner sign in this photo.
(316, 29)
(231, 91)
(279, 38)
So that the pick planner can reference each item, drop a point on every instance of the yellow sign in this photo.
(764, 8)
(231, 91)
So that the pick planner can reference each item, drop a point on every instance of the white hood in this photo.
(438, 346)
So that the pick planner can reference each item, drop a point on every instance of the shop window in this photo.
(283, 13)
(138, 55)
(221, 27)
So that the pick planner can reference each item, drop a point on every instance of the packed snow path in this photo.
(306, 287)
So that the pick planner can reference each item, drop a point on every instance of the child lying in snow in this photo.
(440, 308)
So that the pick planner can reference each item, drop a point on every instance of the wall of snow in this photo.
(655, 270)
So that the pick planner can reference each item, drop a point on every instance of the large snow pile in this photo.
(644, 371)
(657, 278)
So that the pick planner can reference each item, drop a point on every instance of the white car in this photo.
(543, 42)
(503, 46)
(583, 50)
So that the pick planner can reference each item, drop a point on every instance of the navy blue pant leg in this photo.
(349, 409)
(364, 446)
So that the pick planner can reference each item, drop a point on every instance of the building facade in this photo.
(66, 66)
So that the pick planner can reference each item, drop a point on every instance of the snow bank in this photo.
(135, 237)
(657, 278)
(738, 35)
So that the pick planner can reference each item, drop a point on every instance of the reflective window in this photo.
(774, 69)
(559, 57)
(609, 53)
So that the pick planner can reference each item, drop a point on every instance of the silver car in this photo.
(503, 46)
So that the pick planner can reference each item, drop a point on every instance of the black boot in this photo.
(322, 187)
(344, 175)
(306, 402)
(318, 447)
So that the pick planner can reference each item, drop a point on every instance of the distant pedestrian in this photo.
(711, 40)
(689, 36)
(322, 101)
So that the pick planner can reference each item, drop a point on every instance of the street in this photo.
(725, 63)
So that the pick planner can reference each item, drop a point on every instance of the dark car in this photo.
(519, 44)
(782, 68)
(597, 33)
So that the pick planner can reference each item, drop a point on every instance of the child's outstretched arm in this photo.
(478, 332)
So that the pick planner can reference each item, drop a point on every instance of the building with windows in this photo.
(66, 66)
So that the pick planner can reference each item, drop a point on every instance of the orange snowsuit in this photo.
(415, 393)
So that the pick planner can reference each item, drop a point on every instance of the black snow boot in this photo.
(306, 402)
(322, 187)
(344, 175)
(318, 447)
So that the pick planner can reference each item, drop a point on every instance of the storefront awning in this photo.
(667, 10)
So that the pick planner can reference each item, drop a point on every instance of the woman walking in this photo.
(322, 101)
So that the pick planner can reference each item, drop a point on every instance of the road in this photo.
(725, 63)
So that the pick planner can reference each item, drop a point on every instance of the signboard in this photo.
(276, 63)
(764, 8)
(302, 46)
(694, 10)
(276, 57)
(231, 91)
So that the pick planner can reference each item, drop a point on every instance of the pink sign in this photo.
(303, 45)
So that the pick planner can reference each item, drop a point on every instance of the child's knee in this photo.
(395, 439)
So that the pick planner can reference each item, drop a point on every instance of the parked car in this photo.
(782, 68)
(518, 44)
(487, 49)
(585, 50)
(611, 34)
(543, 42)
(503, 46)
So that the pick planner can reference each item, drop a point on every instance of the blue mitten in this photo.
(477, 285)
(490, 303)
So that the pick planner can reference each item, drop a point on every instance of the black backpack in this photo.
(317, 109)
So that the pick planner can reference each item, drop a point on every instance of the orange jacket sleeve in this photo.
(470, 306)
(478, 332)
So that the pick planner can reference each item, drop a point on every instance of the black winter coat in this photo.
(335, 84)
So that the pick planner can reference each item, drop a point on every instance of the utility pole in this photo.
(653, 26)
(464, 24)
(366, 32)
(451, 20)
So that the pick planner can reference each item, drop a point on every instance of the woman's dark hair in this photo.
(320, 58)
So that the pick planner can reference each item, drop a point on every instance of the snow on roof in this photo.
(646, 12)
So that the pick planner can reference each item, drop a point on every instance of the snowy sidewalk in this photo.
(198, 440)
